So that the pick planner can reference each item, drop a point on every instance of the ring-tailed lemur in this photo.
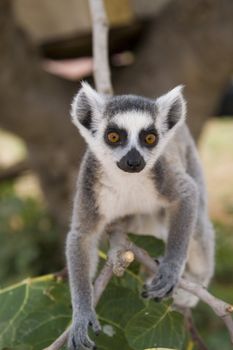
(141, 161)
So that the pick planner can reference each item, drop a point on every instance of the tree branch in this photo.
(191, 328)
(100, 47)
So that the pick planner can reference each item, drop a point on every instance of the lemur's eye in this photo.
(150, 139)
(113, 137)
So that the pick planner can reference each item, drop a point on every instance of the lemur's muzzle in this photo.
(132, 162)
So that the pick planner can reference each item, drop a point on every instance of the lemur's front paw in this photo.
(164, 282)
(78, 336)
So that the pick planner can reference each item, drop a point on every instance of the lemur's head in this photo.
(127, 132)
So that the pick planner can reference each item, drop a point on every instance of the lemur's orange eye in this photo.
(113, 137)
(150, 139)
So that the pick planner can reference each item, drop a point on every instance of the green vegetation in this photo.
(36, 311)
(27, 235)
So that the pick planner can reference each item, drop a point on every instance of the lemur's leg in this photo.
(200, 260)
(181, 194)
(82, 256)
(200, 263)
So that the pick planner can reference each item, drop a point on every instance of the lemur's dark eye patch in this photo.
(115, 137)
(149, 137)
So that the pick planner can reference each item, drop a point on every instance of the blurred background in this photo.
(45, 50)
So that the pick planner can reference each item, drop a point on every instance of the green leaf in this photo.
(112, 337)
(154, 246)
(36, 311)
(155, 325)
(33, 313)
(118, 305)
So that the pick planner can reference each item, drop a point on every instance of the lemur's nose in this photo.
(132, 162)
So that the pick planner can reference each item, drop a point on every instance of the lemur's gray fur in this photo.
(133, 186)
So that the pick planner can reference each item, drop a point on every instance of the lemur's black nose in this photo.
(132, 162)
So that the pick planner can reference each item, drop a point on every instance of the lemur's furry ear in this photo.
(171, 109)
(87, 107)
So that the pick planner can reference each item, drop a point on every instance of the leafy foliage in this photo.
(34, 312)
(27, 235)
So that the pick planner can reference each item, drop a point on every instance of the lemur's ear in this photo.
(171, 109)
(87, 107)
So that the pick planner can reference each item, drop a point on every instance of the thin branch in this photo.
(62, 274)
(191, 328)
(100, 47)
(59, 342)
(102, 281)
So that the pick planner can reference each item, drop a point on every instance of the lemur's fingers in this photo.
(79, 338)
(160, 292)
(163, 284)
(78, 342)
(95, 325)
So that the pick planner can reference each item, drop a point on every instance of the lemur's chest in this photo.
(127, 195)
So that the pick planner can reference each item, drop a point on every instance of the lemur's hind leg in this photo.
(200, 262)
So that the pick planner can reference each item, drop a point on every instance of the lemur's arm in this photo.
(82, 254)
(180, 191)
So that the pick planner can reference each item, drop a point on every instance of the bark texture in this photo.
(190, 42)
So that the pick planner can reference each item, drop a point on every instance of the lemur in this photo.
(140, 173)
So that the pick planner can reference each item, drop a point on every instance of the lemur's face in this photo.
(130, 133)
(127, 133)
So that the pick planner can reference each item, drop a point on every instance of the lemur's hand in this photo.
(78, 337)
(164, 282)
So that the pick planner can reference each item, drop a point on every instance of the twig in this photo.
(62, 274)
(102, 281)
(220, 307)
(59, 342)
(191, 328)
(100, 47)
